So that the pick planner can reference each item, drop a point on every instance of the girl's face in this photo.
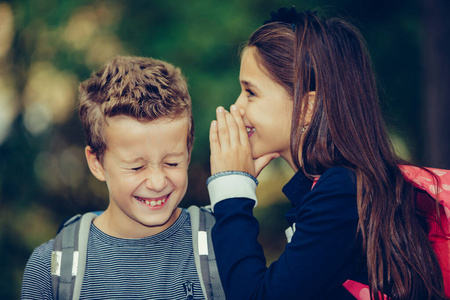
(267, 109)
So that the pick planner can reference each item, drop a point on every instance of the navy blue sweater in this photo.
(323, 254)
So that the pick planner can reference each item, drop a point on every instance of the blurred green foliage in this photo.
(48, 46)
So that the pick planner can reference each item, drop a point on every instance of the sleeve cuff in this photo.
(231, 184)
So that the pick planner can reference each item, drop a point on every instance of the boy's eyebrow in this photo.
(176, 154)
(132, 161)
(140, 159)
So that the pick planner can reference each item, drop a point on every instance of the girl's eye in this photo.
(137, 168)
(250, 93)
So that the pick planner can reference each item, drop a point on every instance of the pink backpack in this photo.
(439, 237)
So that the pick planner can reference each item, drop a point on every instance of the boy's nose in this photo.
(156, 180)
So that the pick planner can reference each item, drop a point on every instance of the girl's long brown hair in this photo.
(330, 58)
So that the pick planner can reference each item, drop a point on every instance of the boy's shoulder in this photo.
(45, 247)
(36, 270)
(43, 252)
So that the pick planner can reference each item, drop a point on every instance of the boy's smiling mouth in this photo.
(153, 202)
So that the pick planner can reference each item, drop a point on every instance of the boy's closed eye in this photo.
(172, 164)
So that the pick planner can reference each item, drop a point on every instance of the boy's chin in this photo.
(137, 225)
(163, 222)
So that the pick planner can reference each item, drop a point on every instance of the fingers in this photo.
(214, 144)
(233, 130)
(227, 152)
(230, 145)
(242, 130)
(229, 131)
(222, 128)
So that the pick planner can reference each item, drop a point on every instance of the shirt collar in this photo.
(298, 186)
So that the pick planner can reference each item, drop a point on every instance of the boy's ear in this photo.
(94, 164)
(189, 157)
(310, 101)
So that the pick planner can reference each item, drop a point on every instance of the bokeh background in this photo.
(48, 46)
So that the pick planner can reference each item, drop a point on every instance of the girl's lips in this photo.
(153, 202)
(250, 130)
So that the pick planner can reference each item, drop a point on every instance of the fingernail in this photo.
(214, 123)
(220, 109)
(233, 107)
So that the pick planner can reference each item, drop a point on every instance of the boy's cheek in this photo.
(180, 177)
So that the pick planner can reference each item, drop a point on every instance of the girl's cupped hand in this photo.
(230, 145)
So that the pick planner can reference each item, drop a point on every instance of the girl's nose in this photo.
(241, 103)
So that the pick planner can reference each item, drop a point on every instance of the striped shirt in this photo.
(155, 267)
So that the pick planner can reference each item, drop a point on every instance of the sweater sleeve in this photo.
(317, 260)
(37, 283)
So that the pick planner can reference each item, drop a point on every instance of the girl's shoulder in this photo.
(334, 179)
(337, 177)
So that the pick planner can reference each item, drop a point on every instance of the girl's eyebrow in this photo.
(248, 84)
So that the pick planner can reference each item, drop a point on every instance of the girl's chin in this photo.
(257, 154)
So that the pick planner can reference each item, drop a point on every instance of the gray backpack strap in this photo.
(69, 257)
(202, 222)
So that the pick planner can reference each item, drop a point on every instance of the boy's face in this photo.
(145, 168)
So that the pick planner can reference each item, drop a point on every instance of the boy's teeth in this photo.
(152, 202)
(250, 129)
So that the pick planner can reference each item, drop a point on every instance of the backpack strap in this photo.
(202, 222)
(68, 260)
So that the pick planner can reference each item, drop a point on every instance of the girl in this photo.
(309, 95)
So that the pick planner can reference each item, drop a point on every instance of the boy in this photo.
(136, 114)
